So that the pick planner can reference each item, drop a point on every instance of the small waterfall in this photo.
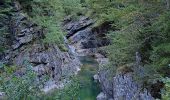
(71, 48)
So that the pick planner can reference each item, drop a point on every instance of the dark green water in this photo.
(89, 88)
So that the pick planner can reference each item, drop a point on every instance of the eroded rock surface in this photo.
(26, 47)
(122, 87)
(83, 36)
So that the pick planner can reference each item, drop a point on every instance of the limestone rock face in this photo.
(83, 37)
(76, 26)
(125, 88)
(26, 47)
(22, 30)
(102, 96)
(122, 87)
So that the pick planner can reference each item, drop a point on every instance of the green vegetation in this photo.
(4, 10)
(166, 91)
(46, 13)
(50, 13)
(137, 26)
(69, 92)
(18, 85)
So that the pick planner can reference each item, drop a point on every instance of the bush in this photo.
(166, 91)
(19, 87)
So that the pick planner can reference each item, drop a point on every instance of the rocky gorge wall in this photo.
(83, 37)
(85, 40)
(121, 86)
(26, 47)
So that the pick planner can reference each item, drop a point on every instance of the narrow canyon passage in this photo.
(89, 88)
(84, 50)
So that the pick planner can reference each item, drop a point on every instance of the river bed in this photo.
(88, 88)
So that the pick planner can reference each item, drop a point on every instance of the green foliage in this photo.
(50, 13)
(4, 10)
(140, 26)
(19, 87)
(137, 30)
(72, 7)
(166, 91)
(161, 46)
(45, 14)
(69, 92)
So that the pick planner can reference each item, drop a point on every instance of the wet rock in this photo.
(2, 94)
(98, 56)
(102, 61)
(96, 77)
(120, 86)
(102, 96)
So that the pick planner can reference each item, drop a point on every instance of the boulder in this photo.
(102, 96)
(96, 77)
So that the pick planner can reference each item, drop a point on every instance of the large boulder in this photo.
(102, 96)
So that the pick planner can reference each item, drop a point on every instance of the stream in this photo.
(89, 88)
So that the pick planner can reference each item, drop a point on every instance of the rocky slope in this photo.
(122, 85)
(26, 47)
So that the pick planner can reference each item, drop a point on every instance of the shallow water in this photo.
(89, 88)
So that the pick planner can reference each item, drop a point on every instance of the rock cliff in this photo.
(83, 36)
(26, 47)
(85, 40)
(121, 86)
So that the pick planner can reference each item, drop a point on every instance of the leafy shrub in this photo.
(19, 87)
(166, 91)
(69, 92)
